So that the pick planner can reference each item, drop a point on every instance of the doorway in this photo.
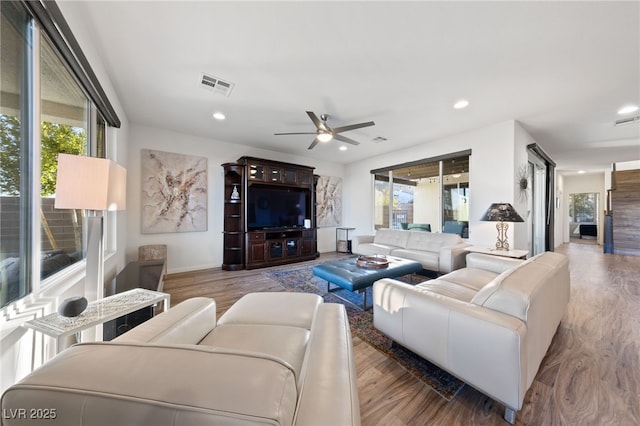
(537, 171)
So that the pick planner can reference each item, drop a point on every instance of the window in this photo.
(429, 194)
(36, 125)
(583, 208)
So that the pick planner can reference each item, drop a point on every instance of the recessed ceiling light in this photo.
(462, 103)
(581, 171)
(343, 148)
(628, 109)
(219, 116)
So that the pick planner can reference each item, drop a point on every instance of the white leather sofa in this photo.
(436, 252)
(271, 359)
(489, 324)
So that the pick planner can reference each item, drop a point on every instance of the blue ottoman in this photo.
(347, 274)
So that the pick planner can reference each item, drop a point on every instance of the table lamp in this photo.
(95, 184)
(502, 213)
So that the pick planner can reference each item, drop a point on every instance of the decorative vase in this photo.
(73, 306)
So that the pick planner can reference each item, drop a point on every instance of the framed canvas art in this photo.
(329, 201)
(174, 192)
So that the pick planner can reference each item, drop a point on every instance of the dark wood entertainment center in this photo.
(265, 206)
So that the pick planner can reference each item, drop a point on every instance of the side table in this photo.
(97, 312)
(343, 245)
(515, 254)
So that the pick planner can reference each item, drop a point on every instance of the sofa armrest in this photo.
(484, 348)
(328, 392)
(360, 239)
(488, 262)
(452, 257)
(186, 323)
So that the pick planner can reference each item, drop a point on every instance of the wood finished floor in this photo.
(590, 376)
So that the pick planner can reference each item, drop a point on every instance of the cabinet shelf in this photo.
(233, 231)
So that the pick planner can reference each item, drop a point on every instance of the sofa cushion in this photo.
(392, 237)
(189, 385)
(447, 288)
(429, 260)
(430, 241)
(283, 342)
(371, 249)
(292, 309)
(472, 278)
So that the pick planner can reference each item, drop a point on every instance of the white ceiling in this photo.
(562, 69)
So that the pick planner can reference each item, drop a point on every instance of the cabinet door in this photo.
(275, 249)
(256, 172)
(274, 174)
(290, 176)
(292, 247)
(307, 248)
(256, 252)
(304, 178)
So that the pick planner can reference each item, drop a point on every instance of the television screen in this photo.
(275, 207)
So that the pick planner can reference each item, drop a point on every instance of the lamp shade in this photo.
(501, 212)
(90, 183)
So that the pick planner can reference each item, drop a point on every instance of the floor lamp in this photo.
(502, 213)
(94, 184)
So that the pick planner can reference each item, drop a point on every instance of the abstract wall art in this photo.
(329, 201)
(174, 192)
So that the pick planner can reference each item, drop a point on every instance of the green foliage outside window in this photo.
(55, 138)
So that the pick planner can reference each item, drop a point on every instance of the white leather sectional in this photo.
(489, 324)
(435, 251)
(271, 359)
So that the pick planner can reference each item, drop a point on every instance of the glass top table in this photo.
(97, 312)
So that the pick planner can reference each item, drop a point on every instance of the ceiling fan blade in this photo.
(345, 139)
(305, 133)
(314, 143)
(353, 127)
(319, 124)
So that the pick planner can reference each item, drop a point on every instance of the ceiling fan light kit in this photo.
(324, 133)
(324, 136)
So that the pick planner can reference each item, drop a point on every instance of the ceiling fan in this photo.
(324, 133)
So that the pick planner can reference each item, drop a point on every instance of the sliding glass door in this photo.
(427, 195)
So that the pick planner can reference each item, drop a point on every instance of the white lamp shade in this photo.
(90, 183)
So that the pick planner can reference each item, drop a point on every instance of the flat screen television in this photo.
(273, 207)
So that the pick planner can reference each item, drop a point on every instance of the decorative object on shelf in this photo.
(73, 306)
(174, 192)
(97, 184)
(502, 213)
(329, 201)
(235, 195)
(374, 262)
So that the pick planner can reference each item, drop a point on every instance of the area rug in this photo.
(301, 279)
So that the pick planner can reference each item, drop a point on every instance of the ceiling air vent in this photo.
(628, 120)
(216, 84)
(378, 139)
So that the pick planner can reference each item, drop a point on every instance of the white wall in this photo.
(491, 177)
(200, 250)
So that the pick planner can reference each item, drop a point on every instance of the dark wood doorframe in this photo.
(550, 193)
